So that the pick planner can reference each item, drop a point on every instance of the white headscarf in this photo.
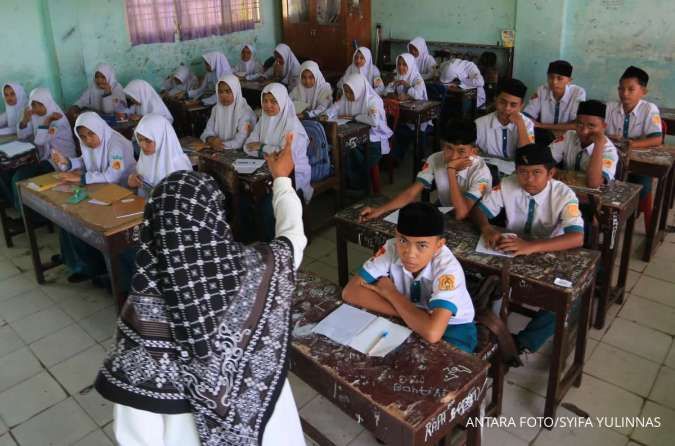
(44, 97)
(368, 70)
(423, 60)
(94, 95)
(320, 89)
(291, 64)
(150, 102)
(63, 138)
(273, 129)
(14, 112)
(185, 76)
(249, 66)
(219, 64)
(413, 75)
(96, 159)
(227, 117)
(168, 157)
(363, 94)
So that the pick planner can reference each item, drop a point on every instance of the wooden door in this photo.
(328, 34)
(297, 24)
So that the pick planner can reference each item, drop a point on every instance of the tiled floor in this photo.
(53, 338)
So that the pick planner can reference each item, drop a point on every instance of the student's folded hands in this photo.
(516, 246)
(384, 287)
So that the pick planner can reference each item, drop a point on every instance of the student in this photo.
(16, 102)
(426, 64)
(231, 120)
(587, 148)
(247, 67)
(638, 123)
(107, 157)
(180, 83)
(554, 106)
(144, 100)
(105, 95)
(408, 84)
(463, 74)
(286, 68)
(217, 66)
(161, 153)
(544, 210)
(277, 121)
(361, 103)
(415, 277)
(362, 63)
(499, 133)
(313, 90)
(180, 335)
(459, 175)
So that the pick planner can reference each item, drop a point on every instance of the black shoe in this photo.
(77, 278)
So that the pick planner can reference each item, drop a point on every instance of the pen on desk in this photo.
(377, 342)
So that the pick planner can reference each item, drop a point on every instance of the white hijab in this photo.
(368, 70)
(168, 157)
(273, 129)
(95, 94)
(320, 89)
(150, 102)
(291, 64)
(185, 76)
(413, 75)
(423, 59)
(249, 66)
(14, 112)
(96, 159)
(63, 139)
(363, 95)
(219, 64)
(227, 117)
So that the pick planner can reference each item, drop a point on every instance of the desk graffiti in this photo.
(450, 373)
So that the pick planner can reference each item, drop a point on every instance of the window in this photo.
(152, 21)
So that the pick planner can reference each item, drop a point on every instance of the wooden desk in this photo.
(617, 204)
(93, 224)
(415, 395)
(10, 228)
(416, 113)
(189, 116)
(657, 164)
(125, 128)
(668, 116)
(251, 91)
(532, 280)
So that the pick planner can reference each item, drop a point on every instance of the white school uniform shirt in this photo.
(367, 108)
(232, 124)
(426, 64)
(251, 69)
(220, 66)
(417, 89)
(319, 97)
(467, 73)
(272, 130)
(474, 181)
(188, 81)
(368, 70)
(567, 149)
(643, 121)
(148, 100)
(544, 108)
(96, 99)
(495, 139)
(12, 115)
(552, 212)
(440, 284)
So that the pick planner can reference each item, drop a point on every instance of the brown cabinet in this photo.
(324, 30)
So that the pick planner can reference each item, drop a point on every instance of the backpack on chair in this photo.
(318, 150)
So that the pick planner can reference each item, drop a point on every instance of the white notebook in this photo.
(483, 248)
(14, 148)
(247, 165)
(504, 166)
(6, 131)
(362, 331)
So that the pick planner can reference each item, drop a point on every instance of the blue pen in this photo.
(377, 342)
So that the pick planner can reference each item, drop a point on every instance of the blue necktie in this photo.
(557, 113)
(415, 291)
(577, 162)
(505, 139)
(530, 216)
(626, 124)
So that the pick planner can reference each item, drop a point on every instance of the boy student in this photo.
(587, 148)
(545, 210)
(416, 277)
(638, 122)
(460, 176)
(554, 106)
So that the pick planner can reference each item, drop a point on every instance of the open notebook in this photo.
(14, 148)
(362, 331)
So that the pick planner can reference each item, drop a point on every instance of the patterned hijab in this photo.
(206, 327)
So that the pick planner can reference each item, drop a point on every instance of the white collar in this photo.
(565, 97)
(498, 125)
(541, 196)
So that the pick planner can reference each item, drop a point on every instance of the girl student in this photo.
(313, 91)
(104, 95)
(286, 68)
(145, 100)
(362, 63)
(180, 83)
(248, 67)
(217, 66)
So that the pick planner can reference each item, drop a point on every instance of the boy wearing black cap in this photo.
(554, 106)
(460, 176)
(416, 277)
(587, 148)
(499, 133)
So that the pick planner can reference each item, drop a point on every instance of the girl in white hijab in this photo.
(146, 100)
(180, 82)
(105, 95)
(465, 75)
(277, 121)
(426, 64)
(161, 153)
(286, 68)
(232, 119)
(217, 66)
(362, 63)
(313, 90)
(248, 68)
(16, 102)
(361, 103)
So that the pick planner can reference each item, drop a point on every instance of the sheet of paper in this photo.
(483, 248)
(393, 217)
(343, 324)
(340, 121)
(4, 131)
(247, 165)
(504, 166)
(15, 148)
(371, 341)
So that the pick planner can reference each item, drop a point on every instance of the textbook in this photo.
(362, 331)
(45, 182)
(15, 148)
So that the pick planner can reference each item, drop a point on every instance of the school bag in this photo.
(318, 150)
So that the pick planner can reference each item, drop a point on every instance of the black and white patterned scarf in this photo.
(206, 326)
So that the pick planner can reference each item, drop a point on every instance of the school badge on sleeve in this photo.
(607, 163)
(571, 210)
(656, 120)
(446, 282)
(117, 163)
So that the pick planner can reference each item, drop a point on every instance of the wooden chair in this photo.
(392, 109)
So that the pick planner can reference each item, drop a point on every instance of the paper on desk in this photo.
(247, 165)
(393, 217)
(504, 166)
(483, 248)
(5, 131)
(343, 324)
(370, 341)
(14, 148)
(340, 121)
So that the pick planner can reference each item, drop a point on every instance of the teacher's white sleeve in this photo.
(288, 215)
